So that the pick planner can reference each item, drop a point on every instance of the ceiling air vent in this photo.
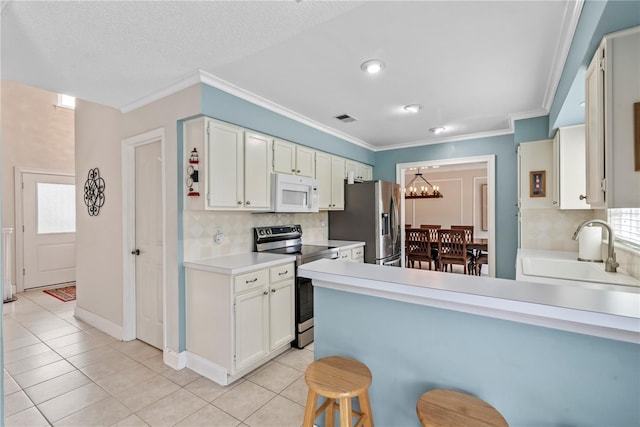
(345, 118)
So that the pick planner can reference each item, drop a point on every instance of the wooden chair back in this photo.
(418, 246)
(433, 232)
(468, 231)
(452, 248)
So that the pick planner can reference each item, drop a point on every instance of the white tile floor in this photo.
(61, 371)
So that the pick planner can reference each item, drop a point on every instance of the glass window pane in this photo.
(56, 208)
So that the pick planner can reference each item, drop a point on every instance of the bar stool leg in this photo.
(330, 414)
(310, 411)
(345, 412)
(365, 408)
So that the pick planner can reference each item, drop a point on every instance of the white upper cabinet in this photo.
(361, 171)
(257, 171)
(293, 159)
(330, 176)
(569, 176)
(236, 168)
(612, 87)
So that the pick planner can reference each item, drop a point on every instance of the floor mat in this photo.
(68, 293)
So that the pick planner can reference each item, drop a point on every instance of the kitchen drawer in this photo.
(357, 253)
(281, 272)
(345, 255)
(255, 279)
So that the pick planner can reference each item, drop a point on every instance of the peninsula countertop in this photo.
(604, 313)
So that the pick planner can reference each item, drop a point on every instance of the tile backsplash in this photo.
(237, 229)
(551, 229)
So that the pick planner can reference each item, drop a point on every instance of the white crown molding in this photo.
(571, 17)
(211, 80)
(465, 137)
(162, 93)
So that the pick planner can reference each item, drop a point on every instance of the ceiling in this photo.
(473, 66)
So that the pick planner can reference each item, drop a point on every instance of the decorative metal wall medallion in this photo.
(94, 192)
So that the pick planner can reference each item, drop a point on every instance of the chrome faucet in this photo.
(610, 264)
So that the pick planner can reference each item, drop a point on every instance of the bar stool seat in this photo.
(338, 378)
(449, 408)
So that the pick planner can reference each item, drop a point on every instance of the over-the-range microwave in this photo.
(291, 193)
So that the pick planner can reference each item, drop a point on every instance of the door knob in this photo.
(582, 197)
(135, 252)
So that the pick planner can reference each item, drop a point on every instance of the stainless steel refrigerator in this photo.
(371, 214)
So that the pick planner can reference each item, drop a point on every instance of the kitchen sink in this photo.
(574, 270)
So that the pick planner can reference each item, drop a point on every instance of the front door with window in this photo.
(49, 233)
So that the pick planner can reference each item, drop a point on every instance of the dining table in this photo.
(478, 245)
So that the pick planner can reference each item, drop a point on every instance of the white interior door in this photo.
(49, 229)
(149, 243)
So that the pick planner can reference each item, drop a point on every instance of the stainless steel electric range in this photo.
(287, 239)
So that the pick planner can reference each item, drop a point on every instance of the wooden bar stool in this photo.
(449, 408)
(340, 378)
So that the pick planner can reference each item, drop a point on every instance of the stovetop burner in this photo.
(288, 240)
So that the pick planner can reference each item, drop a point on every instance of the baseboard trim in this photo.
(207, 369)
(98, 322)
(174, 359)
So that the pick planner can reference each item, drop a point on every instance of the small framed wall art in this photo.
(537, 184)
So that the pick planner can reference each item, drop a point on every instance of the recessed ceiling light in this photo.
(413, 108)
(437, 130)
(372, 66)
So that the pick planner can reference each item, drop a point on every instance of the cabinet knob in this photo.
(248, 202)
(555, 203)
(293, 170)
(582, 197)
(239, 202)
(273, 290)
(265, 293)
(298, 171)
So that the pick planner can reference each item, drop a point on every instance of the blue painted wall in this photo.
(229, 108)
(534, 129)
(534, 376)
(506, 184)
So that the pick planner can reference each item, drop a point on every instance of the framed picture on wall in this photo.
(537, 184)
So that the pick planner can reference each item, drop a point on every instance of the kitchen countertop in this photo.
(604, 313)
(342, 244)
(239, 263)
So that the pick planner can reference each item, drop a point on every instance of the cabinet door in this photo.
(251, 327)
(594, 122)
(556, 170)
(225, 171)
(350, 166)
(323, 175)
(257, 171)
(284, 157)
(357, 254)
(571, 168)
(305, 161)
(363, 172)
(337, 182)
(281, 314)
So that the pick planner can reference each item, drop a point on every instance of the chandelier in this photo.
(416, 189)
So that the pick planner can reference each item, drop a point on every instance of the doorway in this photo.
(144, 255)
(486, 218)
(45, 228)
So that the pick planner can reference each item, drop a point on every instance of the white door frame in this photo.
(490, 160)
(19, 220)
(129, 231)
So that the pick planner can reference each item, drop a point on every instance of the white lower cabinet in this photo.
(235, 323)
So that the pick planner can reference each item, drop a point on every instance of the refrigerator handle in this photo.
(394, 221)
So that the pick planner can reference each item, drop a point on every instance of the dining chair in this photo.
(452, 249)
(468, 234)
(479, 261)
(418, 247)
(433, 240)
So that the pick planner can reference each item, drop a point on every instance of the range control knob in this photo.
(261, 232)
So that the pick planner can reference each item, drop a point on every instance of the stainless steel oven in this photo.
(287, 239)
